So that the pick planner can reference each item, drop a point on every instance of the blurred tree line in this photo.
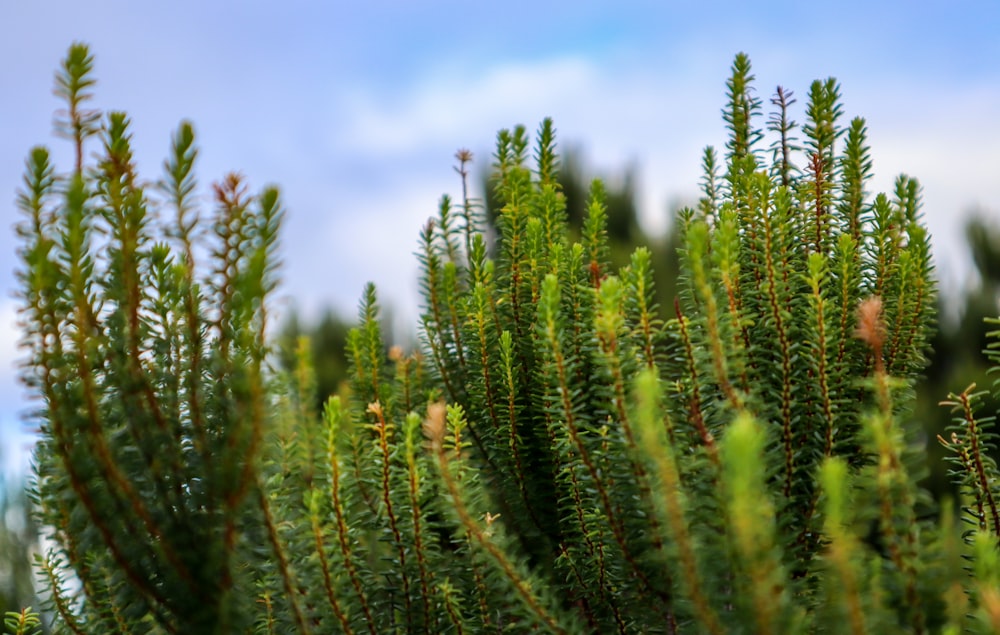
(957, 359)
(18, 544)
(963, 334)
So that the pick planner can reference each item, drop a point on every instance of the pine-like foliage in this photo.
(557, 457)
(150, 370)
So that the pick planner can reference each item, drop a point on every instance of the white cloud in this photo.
(16, 446)
(10, 334)
(446, 106)
(618, 116)
(15, 440)
(378, 242)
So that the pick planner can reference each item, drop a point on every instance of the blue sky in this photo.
(355, 109)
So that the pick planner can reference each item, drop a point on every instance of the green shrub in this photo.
(558, 457)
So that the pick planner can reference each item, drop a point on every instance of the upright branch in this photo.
(780, 123)
(74, 82)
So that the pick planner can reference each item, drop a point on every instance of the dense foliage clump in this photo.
(555, 458)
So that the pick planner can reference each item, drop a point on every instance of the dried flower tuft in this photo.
(435, 424)
(871, 327)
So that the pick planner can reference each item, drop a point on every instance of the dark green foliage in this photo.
(557, 458)
(150, 374)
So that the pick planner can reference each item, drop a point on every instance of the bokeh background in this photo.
(356, 109)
